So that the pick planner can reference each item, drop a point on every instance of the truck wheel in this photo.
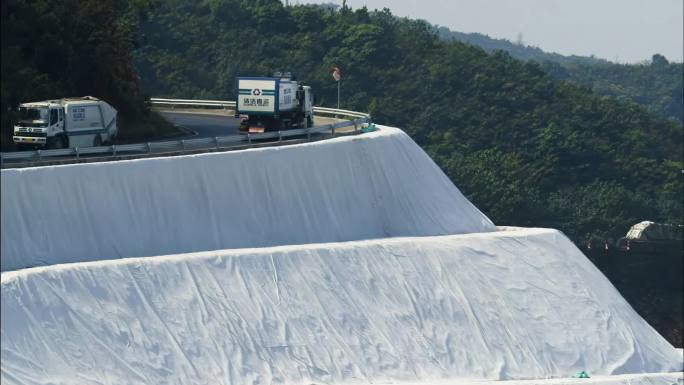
(58, 142)
(98, 141)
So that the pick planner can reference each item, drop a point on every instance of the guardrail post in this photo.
(38, 152)
(149, 148)
(308, 134)
(216, 141)
(113, 150)
(280, 136)
(76, 151)
(249, 139)
(183, 145)
(333, 129)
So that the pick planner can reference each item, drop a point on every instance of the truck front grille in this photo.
(30, 134)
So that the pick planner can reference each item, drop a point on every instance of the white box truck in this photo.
(273, 104)
(70, 122)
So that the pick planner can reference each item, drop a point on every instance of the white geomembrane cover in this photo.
(504, 305)
(424, 307)
(376, 185)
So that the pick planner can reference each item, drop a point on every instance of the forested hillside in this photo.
(527, 149)
(518, 50)
(55, 49)
(656, 85)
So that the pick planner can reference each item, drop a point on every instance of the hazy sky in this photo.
(623, 30)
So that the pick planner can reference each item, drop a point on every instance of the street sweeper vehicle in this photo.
(273, 104)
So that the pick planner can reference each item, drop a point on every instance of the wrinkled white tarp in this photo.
(376, 185)
(514, 304)
(674, 378)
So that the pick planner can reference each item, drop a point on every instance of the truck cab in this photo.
(306, 100)
(40, 124)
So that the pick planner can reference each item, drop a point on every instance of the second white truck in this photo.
(273, 104)
(70, 122)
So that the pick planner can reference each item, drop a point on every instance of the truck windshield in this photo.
(34, 115)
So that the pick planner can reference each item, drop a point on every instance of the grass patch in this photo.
(147, 127)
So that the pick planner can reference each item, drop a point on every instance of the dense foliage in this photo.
(527, 149)
(53, 49)
(656, 85)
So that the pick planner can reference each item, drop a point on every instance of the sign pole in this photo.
(337, 75)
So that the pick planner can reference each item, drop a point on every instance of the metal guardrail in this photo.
(192, 102)
(231, 104)
(355, 119)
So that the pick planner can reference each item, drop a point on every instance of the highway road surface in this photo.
(197, 125)
(215, 123)
(207, 125)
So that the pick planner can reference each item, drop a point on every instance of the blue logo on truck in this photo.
(78, 113)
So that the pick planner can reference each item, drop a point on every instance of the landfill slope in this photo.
(375, 185)
(348, 261)
(516, 304)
